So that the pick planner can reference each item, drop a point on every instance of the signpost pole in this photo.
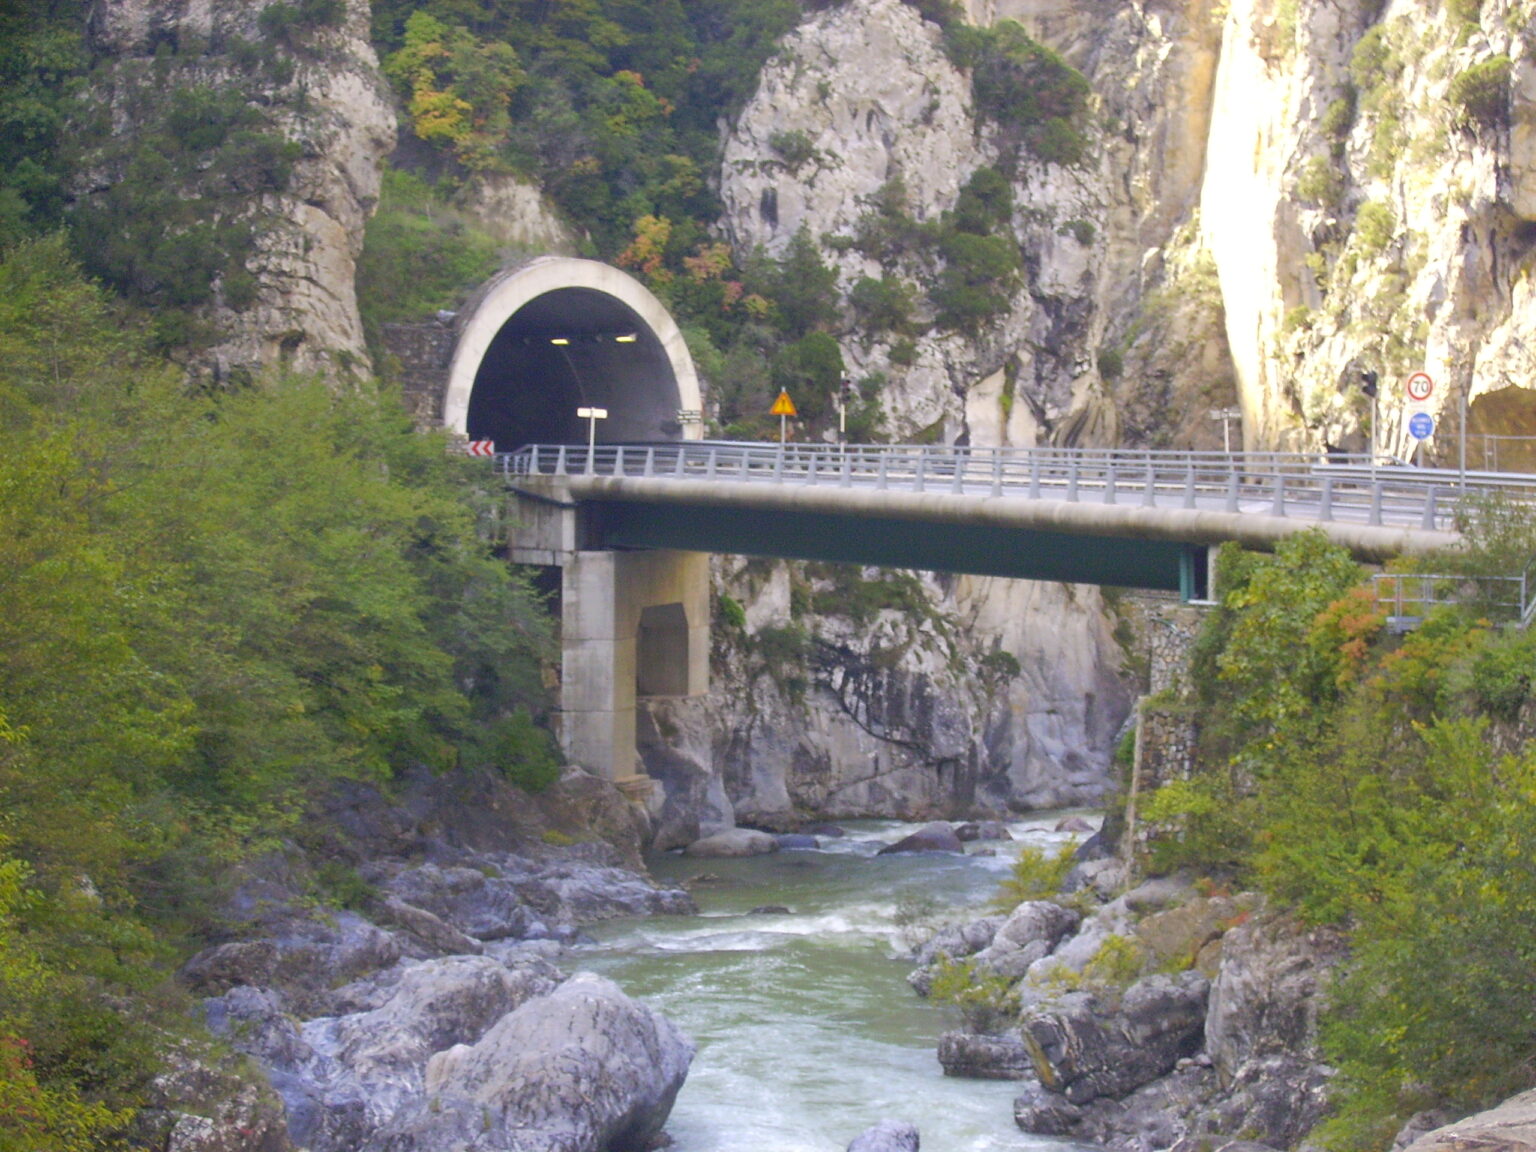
(591, 416)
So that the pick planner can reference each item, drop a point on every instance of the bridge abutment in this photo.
(632, 624)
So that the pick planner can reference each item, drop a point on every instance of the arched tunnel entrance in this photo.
(558, 334)
(535, 344)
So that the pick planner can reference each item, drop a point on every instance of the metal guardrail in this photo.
(1407, 598)
(1326, 489)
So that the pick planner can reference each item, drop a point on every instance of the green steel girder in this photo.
(983, 550)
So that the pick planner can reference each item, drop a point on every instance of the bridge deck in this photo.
(1115, 517)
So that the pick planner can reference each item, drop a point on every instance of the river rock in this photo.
(585, 1069)
(984, 1057)
(1042, 1112)
(1031, 932)
(733, 842)
(973, 830)
(936, 837)
(1159, 893)
(1084, 1047)
(886, 1136)
(954, 943)
(1179, 936)
(304, 958)
(1508, 1127)
(797, 840)
(1265, 999)
(478, 902)
(1075, 824)
(828, 831)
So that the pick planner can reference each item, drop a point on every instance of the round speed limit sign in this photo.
(1419, 387)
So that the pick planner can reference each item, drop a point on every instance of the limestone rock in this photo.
(886, 1136)
(984, 1057)
(1031, 932)
(1507, 1127)
(1039, 1111)
(1265, 998)
(936, 837)
(581, 1070)
(734, 842)
(1085, 1048)
(336, 107)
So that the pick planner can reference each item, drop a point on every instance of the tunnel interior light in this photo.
(626, 338)
(560, 341)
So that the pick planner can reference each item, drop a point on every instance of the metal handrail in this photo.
(1306, 486)
(1409, 596)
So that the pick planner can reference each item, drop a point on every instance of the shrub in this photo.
(794, 148)
(884, 305)
(1481, 94)
(1375, 225)
(983, 998)
(1035, 876)
(1111, 363)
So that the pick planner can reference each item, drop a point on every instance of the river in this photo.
(807, 1031)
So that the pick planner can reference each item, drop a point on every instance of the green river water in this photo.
(806, 1029)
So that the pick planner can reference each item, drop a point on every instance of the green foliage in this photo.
(457, 88)
(1375, 225)
(211, 603)
(794, 148)
(1038, 100)
(883, 305)
(1082, 231)
(1464, 11)
(1034, 876)
(1360, 778)
(731, 613)
(418, 255)
(42, 62)
(1320, 182)
(984, 999)
(1339, 117)
(174, 230)
(1481, 93)
(976, 284)
(1111, 363)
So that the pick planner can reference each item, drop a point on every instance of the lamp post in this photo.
(1226, 416)
(591, 416)
(1368, 386)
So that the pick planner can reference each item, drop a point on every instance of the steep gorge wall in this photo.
(1369, 207)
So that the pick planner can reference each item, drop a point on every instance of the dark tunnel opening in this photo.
(567, 349)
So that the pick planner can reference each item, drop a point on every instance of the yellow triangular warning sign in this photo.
(783, 406)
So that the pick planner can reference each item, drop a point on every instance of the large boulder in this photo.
(1265, 999)
(585, 1069)
(1040, 1111)
(1031, 932)
(1508, 1127)
(886, 1136)
(979, 1057)
(935, 837)
(733, 842)
(1085, 1047)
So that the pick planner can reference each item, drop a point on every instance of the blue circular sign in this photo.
(1421, 426)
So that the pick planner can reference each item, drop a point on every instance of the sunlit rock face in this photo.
(334, 105)
(1388, 231)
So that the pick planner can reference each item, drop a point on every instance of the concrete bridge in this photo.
(630, 523)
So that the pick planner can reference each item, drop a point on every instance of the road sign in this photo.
(481, 448)
(783, 406)
(592, 413)
(1419, 388)
(1421, 426)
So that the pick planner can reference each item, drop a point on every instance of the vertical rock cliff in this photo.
(294, 176)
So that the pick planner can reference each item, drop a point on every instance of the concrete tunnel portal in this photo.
(556, 334)
(536, 343)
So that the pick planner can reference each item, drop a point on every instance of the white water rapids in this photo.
(807, 1031)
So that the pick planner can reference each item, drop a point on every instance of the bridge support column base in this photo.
(630, 623)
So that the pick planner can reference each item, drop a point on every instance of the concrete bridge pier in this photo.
(632, 624)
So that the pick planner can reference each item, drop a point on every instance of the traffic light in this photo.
(1368, 384)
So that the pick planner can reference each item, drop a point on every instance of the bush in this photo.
(984, 998)
(883, 305)
(1034, 95)
(794, 148)
(1034, 876)
(1375, 226)
(1481, 94)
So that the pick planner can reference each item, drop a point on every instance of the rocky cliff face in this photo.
(317, 88)
(841, 694)
(1368, 208)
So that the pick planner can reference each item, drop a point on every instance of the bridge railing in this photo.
(1302, 485)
